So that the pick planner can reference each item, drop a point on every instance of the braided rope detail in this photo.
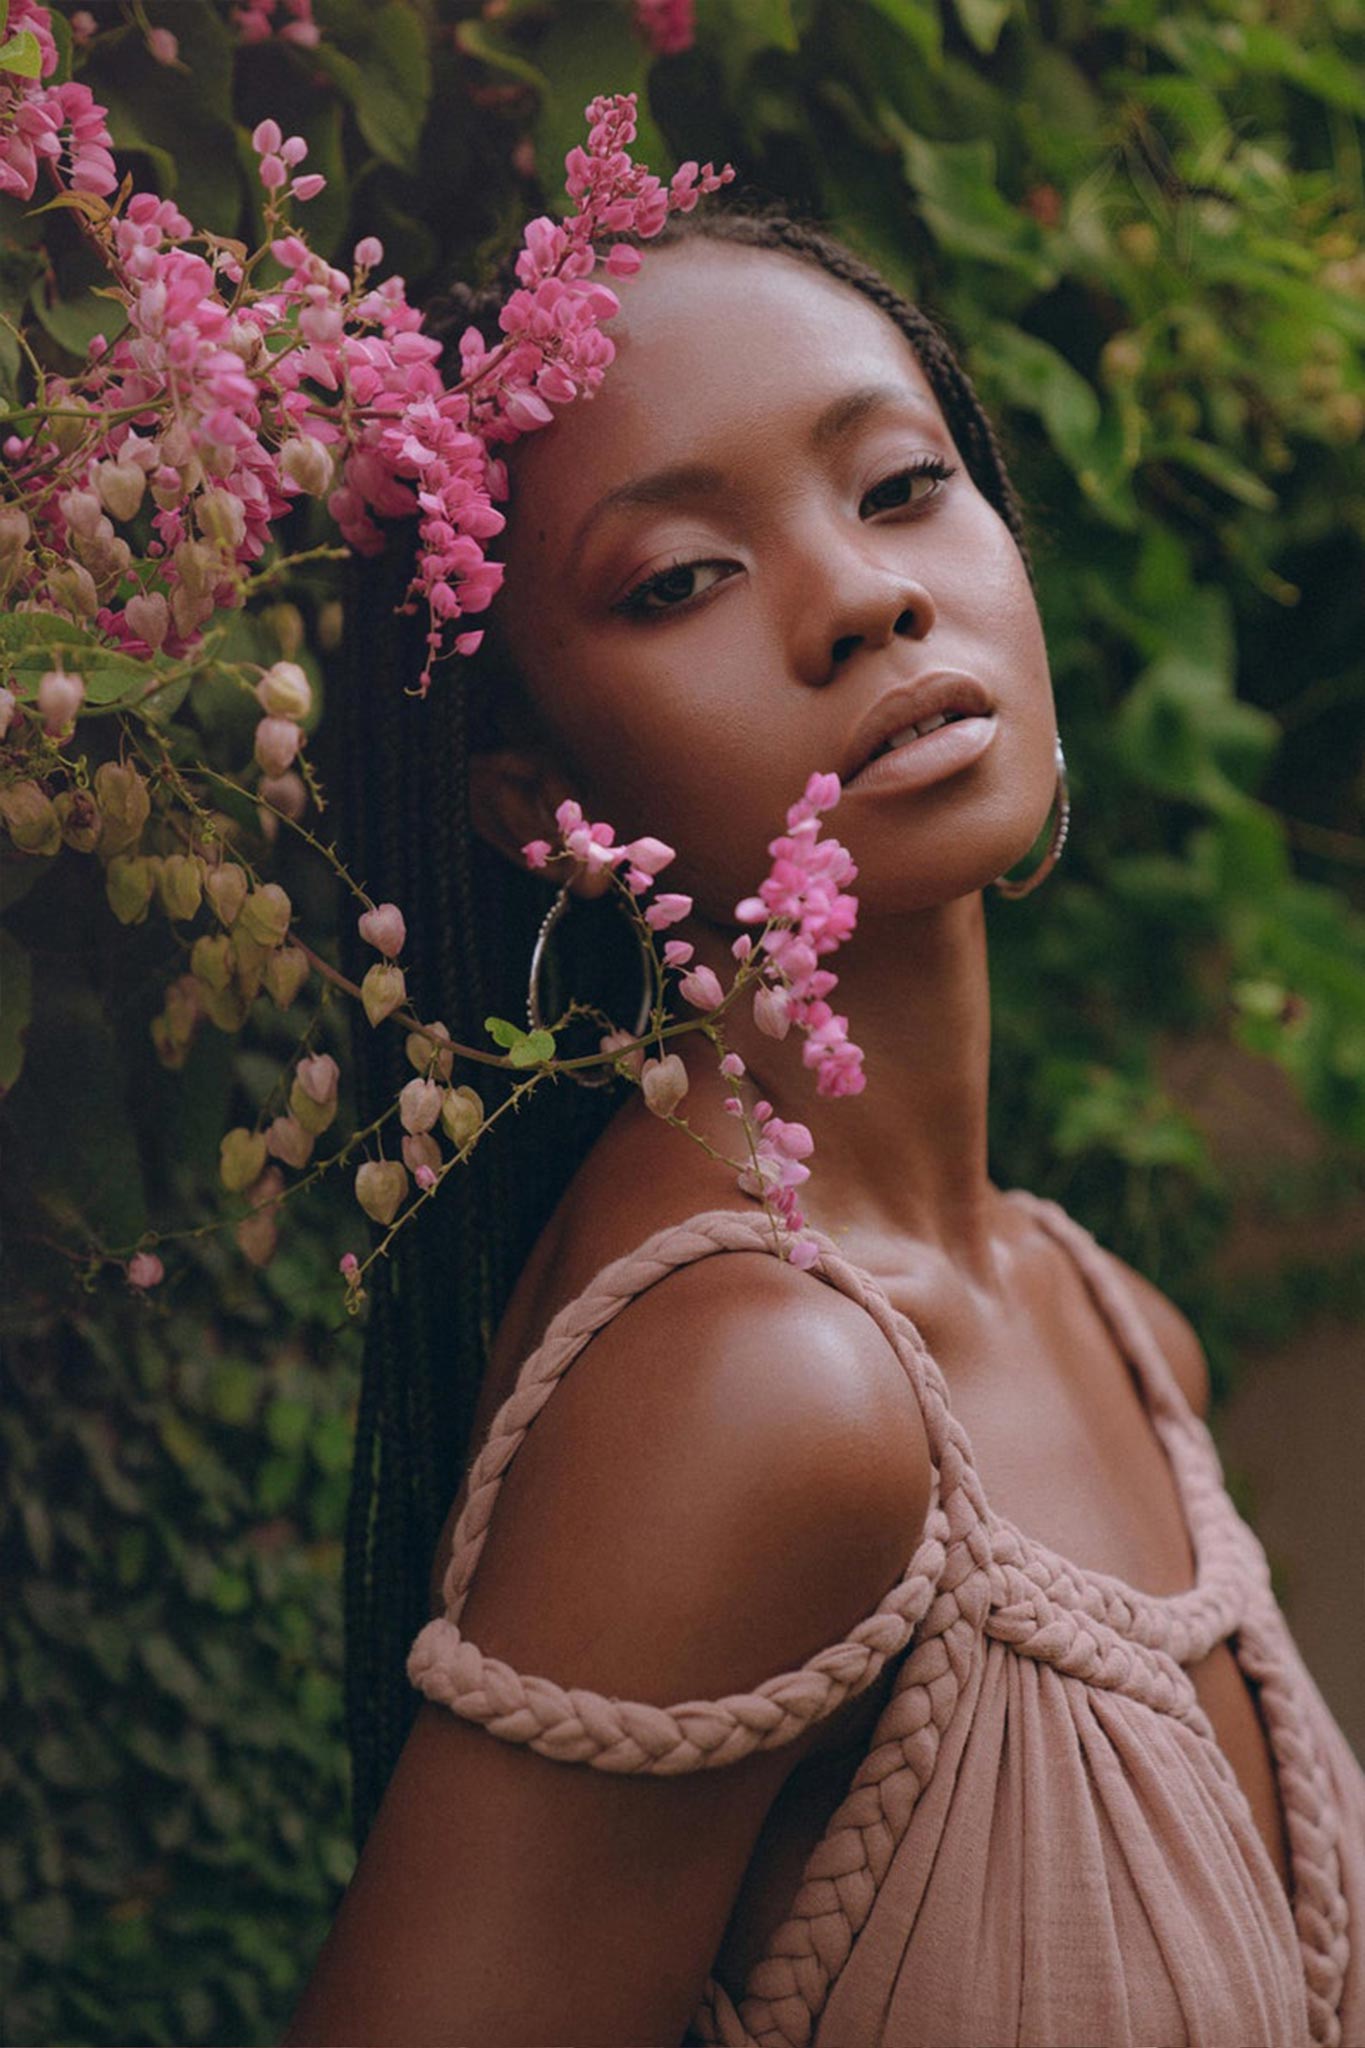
(1312, 1820)
(573, 1724)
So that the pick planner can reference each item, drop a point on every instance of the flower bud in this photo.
(308, 463)
(72, 588)
(461, 1115)
(222, 517)
(265, 915)
(427, 1057)
(124, 805)
(316, 1117)
(149, 615)
(226, 888)
(285, 691)
(664, 1083)
(128, 886)
(241, 1158)
(180, 886)
(319, 1076)
(145, 1269)
(384, 929)
(285, 972)
(248, 962)
(771, 1012)
(121, 487)
(258, 1236)
(419, 1105)
(72, 428)
(189, 612)
(226, 1007)
(30, 818)
(197, 567)
(331, 624)
(701, 988)
(380, 1186)
(285, 621)
(284, 793)
(171, 1052)
(211, 960)
(60, 697)
(286, 1139)
(613, 1041)
(184, 1008)
(277, 742)
(420, 1150)
(382, 990)
(81, 822)
(15, 535)
(82, 512)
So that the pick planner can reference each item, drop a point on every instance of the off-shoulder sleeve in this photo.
(575, 1725)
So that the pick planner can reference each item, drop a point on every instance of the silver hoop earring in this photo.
(1061, 803)
(605, 1077)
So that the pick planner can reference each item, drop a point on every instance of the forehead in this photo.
(719, 347)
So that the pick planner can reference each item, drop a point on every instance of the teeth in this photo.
(914, 732)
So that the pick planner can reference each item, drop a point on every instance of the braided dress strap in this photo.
(573, 1724)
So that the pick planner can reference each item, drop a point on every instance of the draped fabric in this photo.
(1043, 1843)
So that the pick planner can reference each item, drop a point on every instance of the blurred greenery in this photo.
(1143, 226)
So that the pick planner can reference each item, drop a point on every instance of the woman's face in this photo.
(719, 566)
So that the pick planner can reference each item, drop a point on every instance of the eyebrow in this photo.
(684, 480)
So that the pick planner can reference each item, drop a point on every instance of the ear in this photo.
(509, 800)
(513, 795)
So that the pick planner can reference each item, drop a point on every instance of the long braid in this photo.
(401, 766)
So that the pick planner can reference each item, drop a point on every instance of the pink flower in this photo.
(60, 697)
(732, 1066)
(383, 927)
(677, 952)
(668, 26)
(536, 852)
(667, 910)
(701, 988)
(162, 45)
(318, 1077)
(145, 1269)
(664, 1083)
(277, 742)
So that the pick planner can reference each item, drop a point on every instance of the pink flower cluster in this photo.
(780, 1152)
(594, 847)
(212, 414)
(805, 887)
(668, 26)
(254, 22)
(34, 116)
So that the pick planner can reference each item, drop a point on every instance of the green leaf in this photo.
(16, 1008)
(22, 55)
(476, 40)
(982, 21)
(962, 206)
(386, 80)
(738, 31)
(586, 52)
(502, 1033)
(531, 1050)
(1220, 468)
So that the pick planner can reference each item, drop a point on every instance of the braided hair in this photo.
(399, 767)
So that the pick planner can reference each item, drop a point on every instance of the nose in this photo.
(852, 603)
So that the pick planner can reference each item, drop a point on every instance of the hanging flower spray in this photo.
(219, 402)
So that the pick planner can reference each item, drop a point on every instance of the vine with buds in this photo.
(137, 507)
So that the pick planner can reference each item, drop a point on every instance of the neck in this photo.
(907, 1157)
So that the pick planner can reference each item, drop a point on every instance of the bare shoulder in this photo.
(1174, 1332)
(731, 1474)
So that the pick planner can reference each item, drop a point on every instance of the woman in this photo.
(1018, 1789)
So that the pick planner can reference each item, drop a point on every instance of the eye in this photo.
(914, 485)
(671, 589)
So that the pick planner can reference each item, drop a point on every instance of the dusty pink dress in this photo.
(1043, 1842)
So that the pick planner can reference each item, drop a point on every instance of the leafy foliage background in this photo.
(1143, 225)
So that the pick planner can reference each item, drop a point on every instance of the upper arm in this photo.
(730, 1477)
(1173, 1331)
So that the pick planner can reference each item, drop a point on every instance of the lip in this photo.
(939, 753)
(909, 704)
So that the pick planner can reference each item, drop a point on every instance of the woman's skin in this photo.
(736, 1470)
